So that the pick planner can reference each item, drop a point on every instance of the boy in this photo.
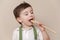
(24, 14)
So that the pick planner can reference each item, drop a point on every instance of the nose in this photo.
(31, 15)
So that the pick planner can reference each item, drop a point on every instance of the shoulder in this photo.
(39, 33)
(15, 34)
(16, 30)
(38, 30)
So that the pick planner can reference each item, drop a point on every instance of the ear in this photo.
(18, 19)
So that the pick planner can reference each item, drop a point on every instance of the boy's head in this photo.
(24, 14)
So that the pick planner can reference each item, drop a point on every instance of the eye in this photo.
(26, 14)
(31, 12)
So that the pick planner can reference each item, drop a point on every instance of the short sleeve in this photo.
(14, 36)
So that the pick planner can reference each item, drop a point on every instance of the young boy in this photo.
(24, 14)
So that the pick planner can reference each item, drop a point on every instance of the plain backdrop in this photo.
(46, 11)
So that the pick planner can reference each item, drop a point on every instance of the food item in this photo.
(34, 21)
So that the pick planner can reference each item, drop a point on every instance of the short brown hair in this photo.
(19, 8)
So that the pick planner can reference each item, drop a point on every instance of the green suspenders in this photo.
(35, 33)
(20, 33)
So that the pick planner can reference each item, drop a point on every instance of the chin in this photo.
(30, 24)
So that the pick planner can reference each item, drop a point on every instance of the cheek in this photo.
(24, 18)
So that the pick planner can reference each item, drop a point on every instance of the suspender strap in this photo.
(20, 33)
(35, 33)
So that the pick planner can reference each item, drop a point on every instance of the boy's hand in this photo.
(40, 25)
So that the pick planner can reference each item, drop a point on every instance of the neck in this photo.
(26, 26)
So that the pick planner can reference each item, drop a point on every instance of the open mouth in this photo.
(31, 19)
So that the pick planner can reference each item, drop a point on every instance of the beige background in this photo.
(46, 11)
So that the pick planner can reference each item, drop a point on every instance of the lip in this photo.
(31, 19)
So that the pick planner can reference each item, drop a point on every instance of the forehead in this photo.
(28, 9)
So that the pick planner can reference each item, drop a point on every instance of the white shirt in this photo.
(27, 34)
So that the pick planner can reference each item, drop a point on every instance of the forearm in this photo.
(45, 35)
(44, 32)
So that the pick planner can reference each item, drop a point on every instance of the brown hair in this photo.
(19, 8)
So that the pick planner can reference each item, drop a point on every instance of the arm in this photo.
(41, 27)
(44, 33)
